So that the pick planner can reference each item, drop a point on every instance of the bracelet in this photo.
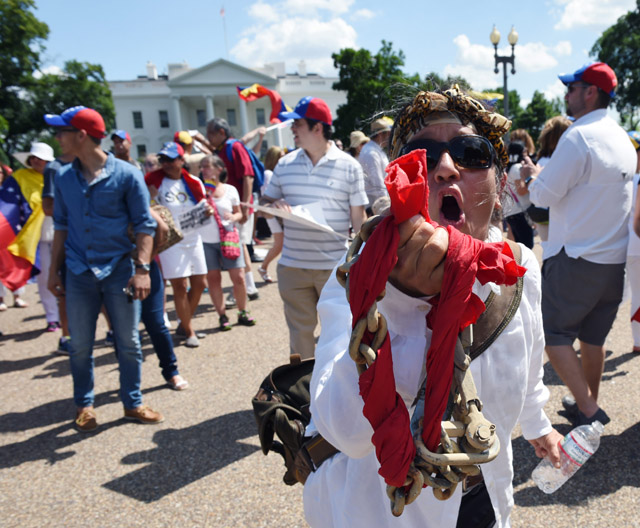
(528, 180)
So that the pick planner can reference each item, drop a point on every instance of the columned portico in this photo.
(175, 106)
(244, 120)
(208, 99)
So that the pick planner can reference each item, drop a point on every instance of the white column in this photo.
(177, 116)
(209, 108)
(244, 120)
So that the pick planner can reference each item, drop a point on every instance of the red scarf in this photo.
(193, 184)
(453, 309)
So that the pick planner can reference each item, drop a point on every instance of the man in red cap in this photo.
(317, 173)
(588, 186)
(97, 198)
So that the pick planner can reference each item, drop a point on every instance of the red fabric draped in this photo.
(636, 316)
(455, 308)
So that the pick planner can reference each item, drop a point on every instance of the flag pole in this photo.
(224, 29)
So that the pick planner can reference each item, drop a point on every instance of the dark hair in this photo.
(603, 100)
(521, 135)
(96, 140)
(217, 123)
(327, 130)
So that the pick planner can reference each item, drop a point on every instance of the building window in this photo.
(137, 119)
(142, 150)
(164, 119)
(231, 117)
(260, 119)
(202, 118)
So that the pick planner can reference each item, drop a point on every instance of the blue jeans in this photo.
(85, 294)
(153, 319)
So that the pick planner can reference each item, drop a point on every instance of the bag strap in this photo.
(499, 312)
(216, 215)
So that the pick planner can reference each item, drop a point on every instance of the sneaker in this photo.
(600, 415)
(143, 414)
(224, 323)
(178, 383)
(230, 302)
(167, 323)
(86, 420)
(109, 338)
(265, 275)
(192, 342)
(19, 303)
(570, 405)
(52, 326)
(64, 346)
(256, 258)
(245, 319)
(253, 296)
(3, 307)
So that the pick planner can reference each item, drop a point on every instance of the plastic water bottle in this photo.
(575, 450)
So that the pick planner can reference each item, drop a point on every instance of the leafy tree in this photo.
(619, 47)
(26, 94)
(21, 38)
(433, 81)
(515, 110)
(372, 83)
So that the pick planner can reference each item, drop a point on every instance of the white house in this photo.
(152, 107)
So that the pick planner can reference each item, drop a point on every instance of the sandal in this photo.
(224, 323)
(265, 275)
(245, 319)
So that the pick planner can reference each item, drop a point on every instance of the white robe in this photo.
(347, 491)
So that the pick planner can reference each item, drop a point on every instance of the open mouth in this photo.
(450, 209)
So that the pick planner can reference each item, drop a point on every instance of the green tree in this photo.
(534, 116)
(22, 38)
(515, 110)
(372, 83)
(619, 47)
(433, 81)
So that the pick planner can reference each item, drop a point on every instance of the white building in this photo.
(153, 107)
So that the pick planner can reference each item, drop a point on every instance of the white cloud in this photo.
(563, 48)
(475, 62)
(555, 90)
(292, 38)
(264, 12)
(599, 13)
(363, 14)
(336, 7)
(49, 70)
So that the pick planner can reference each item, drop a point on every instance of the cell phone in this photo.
(130, 293)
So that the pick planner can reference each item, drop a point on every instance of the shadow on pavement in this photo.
(186, 455)
(611, 366)
(612, 467)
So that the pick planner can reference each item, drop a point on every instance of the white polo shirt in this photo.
(337, 182)
(374, 161)
(588, 186)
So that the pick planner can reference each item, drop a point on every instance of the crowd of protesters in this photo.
(113, 232)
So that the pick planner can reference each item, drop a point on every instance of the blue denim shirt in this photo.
(96, 216)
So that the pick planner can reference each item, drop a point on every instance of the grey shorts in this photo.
(215, 260)
(580, 299)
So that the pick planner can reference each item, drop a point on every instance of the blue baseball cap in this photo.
(634, 136)
(310, 108)
(122, 134)
(79, 117)
(597, 73)
(171, 150)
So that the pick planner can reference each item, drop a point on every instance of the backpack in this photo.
(281, 406)
(258, 167)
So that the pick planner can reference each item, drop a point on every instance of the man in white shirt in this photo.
(318, 172)
(374, 160)
(588, 186)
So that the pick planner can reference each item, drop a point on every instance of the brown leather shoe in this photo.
(144, 414)
(86, 420)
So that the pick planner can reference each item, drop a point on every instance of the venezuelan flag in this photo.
(256, 91)
(21, 218)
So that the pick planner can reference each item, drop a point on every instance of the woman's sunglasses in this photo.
(469, 152)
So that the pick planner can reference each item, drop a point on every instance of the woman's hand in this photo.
(421, 252)
(548, 446)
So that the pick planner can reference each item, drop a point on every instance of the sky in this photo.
(555, 36)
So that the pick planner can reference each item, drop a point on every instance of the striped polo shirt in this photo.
(337, 182)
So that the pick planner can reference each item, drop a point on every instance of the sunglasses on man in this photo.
(468, 152)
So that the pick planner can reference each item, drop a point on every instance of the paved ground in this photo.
(203, 465)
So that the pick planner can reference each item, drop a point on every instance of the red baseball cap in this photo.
(310, 108)
(597, 73)
(79, 117)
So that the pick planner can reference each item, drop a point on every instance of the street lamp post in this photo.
(495, 40)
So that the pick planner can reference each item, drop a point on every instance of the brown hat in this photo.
(384, 124)
(357, 138)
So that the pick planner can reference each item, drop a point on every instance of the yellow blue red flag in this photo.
(21, 218)
(256, 91)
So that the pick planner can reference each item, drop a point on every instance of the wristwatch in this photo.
(528, 180)
(143, 267)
